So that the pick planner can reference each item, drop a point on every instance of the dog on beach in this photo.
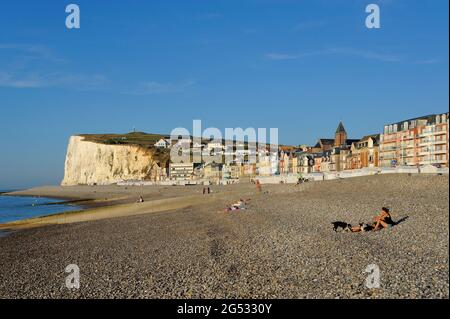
(339, 225)
(365, 227)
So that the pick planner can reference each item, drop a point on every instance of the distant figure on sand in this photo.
(240, 205)
(140, 200)
(258, 186)
(383, 220)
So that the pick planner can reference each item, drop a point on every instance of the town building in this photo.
(365, 152)
(215, 145)
(181, 171)
(333, 153)
(231, 171)
(163, 143)
(323, 145)
(414, 142)
(268, 164)
(305, 162)
(285, 162)
(212, 171)
(248, 170)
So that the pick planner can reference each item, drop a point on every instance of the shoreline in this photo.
(65, 207)
(102, 202)
(61, 200)
(30, 193)
(110, 202)
(85, 204)
(106, 212)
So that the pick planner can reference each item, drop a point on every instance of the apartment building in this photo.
(418, 141)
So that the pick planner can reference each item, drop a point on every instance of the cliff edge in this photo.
(89, 163)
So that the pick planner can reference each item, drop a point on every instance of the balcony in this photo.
(430, 132)
(388, 141)
(432, 152)
(407, 155)
(432, 142)
(388, 148)
(388, 157)
(429, 162)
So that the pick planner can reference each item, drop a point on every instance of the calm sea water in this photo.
(14, 208)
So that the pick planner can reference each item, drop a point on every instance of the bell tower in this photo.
(340, 138)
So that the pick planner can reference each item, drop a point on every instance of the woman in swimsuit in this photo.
(384, 220)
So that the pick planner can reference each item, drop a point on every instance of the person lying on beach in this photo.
(383, 220)
(240, 205)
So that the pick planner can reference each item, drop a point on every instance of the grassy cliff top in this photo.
(135, 138)
(143, 140)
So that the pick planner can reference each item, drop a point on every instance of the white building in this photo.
(162, 143)
(215, 145)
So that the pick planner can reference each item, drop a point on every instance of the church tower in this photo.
(340, 138)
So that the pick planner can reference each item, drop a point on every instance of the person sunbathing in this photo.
(383, 220)
(241, 204)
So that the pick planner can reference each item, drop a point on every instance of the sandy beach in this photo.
(180, 244)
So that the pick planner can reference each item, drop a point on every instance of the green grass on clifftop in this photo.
(135, 138)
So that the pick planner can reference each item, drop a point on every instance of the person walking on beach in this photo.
(258, 186)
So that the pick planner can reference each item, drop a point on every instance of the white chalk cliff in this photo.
(90, 163)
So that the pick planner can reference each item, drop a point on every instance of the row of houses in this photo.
(413, 142)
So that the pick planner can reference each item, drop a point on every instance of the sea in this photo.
(14, 208)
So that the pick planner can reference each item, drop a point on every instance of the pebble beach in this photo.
(181, 244)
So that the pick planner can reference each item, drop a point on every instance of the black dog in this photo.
(344, 226)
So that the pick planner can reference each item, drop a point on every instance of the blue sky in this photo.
(300, 66)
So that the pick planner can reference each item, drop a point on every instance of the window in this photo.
(438, 119)
(405, 126)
